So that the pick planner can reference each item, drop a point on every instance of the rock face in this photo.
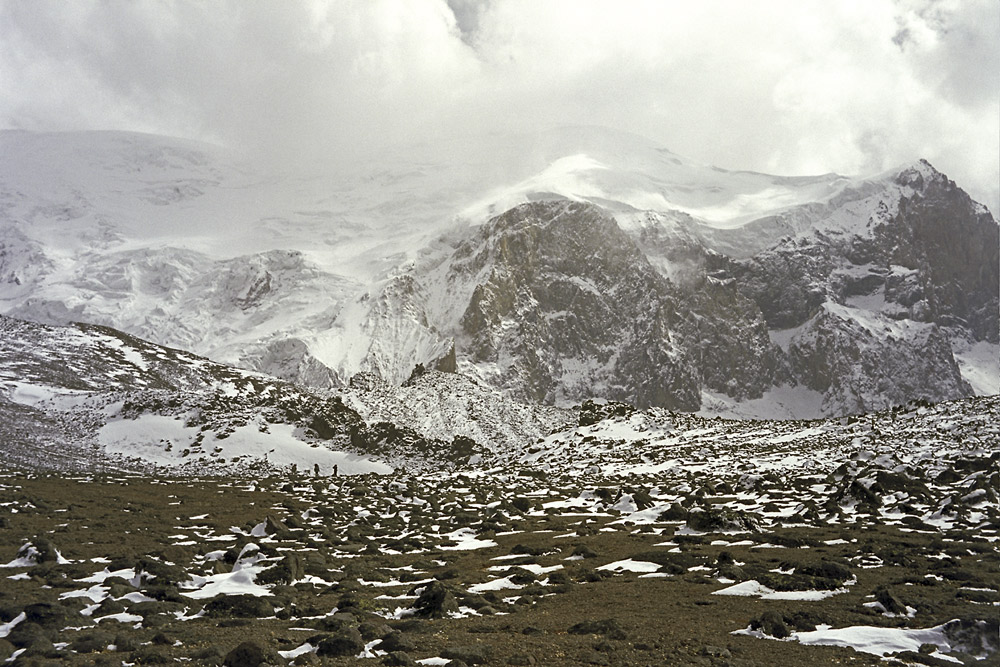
(869, 314)
(857, 370)
(931, 255)
(568, 306)
(562, 304)
(951, 244)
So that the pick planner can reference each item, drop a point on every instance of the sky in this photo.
(789, 87)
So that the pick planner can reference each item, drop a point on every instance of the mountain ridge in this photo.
(728, 244)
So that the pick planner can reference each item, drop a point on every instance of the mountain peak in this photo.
(918, 175)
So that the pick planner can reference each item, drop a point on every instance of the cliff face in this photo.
(863, 310)
(569, 307)
(555, 302)
(952, 244)
(868, 312)
(860, 368)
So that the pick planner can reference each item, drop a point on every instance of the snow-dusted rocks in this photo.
(874, 535)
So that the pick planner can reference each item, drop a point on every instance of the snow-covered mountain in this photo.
(553, 266)
(91, 397)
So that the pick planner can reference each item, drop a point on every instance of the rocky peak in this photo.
(919, 174)
(565, 306)
(953, 245)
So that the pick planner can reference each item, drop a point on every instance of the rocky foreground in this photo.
(634, 539)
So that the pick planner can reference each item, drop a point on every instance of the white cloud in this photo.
(790, 86)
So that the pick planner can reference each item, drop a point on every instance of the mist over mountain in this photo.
(553, 267)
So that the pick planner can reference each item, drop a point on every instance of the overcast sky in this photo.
(789, 87)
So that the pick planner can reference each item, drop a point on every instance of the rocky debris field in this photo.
(870, 543)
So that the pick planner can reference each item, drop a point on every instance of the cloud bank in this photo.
(789, 87)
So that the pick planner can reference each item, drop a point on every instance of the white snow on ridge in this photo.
(980, 365)
(166, 441)
(784, 402)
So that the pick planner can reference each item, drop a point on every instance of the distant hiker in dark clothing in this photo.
(335, 470)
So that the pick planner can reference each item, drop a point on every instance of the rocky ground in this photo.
(871, 543)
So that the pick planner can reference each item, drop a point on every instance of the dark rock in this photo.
(921, 658)
(716, 652)
(734, 572)
(39, 645)
(771, 623)
(150, 608)
(374, 630)
(524, 549)
(673, 513)
(150, 655)
(212, 655)
(609, 627)
(108, 607)
(286, 571)
(119, 588)
(591, 412)
(522, 659)
(164, 594)
(825, 569)
(92, 642)
(522, 504)
(8, 612)
(470, 655)
(347, 642)
(165, 575)
(723, 519)
(522, 577)
(337, 622)
(240, 606)
(803, 621)
(349, 601)
(538, 252)
(274, 526)
(40, 549)
(396, 641)
(892, 604)
(251, 654)
(435, 601)
(47, 615)
(974, 636)
(560, 578)
(125, 642)
(399, 659)
(671, 563)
